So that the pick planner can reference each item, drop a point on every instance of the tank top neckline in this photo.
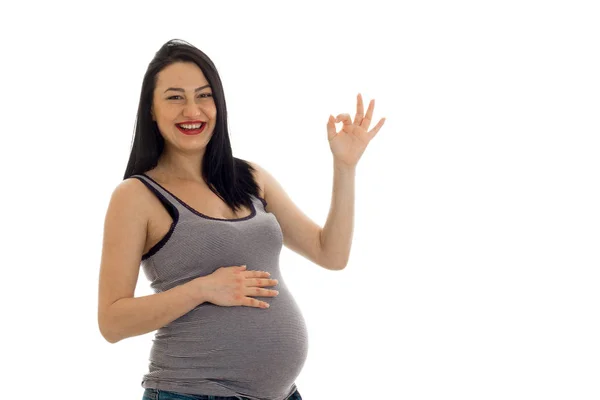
(198, 213)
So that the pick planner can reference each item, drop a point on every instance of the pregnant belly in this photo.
(239, 347)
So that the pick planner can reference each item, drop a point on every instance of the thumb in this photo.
(242, 267)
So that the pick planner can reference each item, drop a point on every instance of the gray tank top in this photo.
(214, 350)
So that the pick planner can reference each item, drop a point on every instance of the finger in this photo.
(250, 302)
(260, 292)
(345, 118)
(331, 127)
(263, 282)
(376, 128)
(367, 119)
(359, 110)
(256, 274)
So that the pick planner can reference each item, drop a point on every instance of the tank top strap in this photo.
(261, 202)
(164, 196)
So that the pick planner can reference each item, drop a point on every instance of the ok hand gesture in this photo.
(350, 142)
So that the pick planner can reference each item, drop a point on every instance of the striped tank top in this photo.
(214, 350)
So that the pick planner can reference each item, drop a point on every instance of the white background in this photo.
(474, 270)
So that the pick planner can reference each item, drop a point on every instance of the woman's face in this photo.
(183, 95)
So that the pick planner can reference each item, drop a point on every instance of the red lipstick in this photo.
(191, 131)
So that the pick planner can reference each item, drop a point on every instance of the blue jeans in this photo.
(156, 394)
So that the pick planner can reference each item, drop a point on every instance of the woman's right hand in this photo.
(231, 286)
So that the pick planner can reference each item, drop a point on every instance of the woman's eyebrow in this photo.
(181, 90)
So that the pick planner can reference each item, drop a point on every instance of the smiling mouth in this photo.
(191, 131)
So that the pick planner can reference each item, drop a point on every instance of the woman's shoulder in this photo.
(133, 194)
(132, 185)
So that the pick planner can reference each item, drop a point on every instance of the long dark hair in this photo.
(228, 177)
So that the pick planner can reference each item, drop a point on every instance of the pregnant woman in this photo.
(207, 230)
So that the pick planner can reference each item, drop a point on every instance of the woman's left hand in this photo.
(350, 142)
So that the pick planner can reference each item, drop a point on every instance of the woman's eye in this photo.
(203, 95)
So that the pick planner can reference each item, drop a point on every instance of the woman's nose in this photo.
(191, 110)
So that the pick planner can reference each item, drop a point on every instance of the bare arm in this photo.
(120, 314)
(347, 147)
(336, 236)
(129, 317)
(328, 247)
